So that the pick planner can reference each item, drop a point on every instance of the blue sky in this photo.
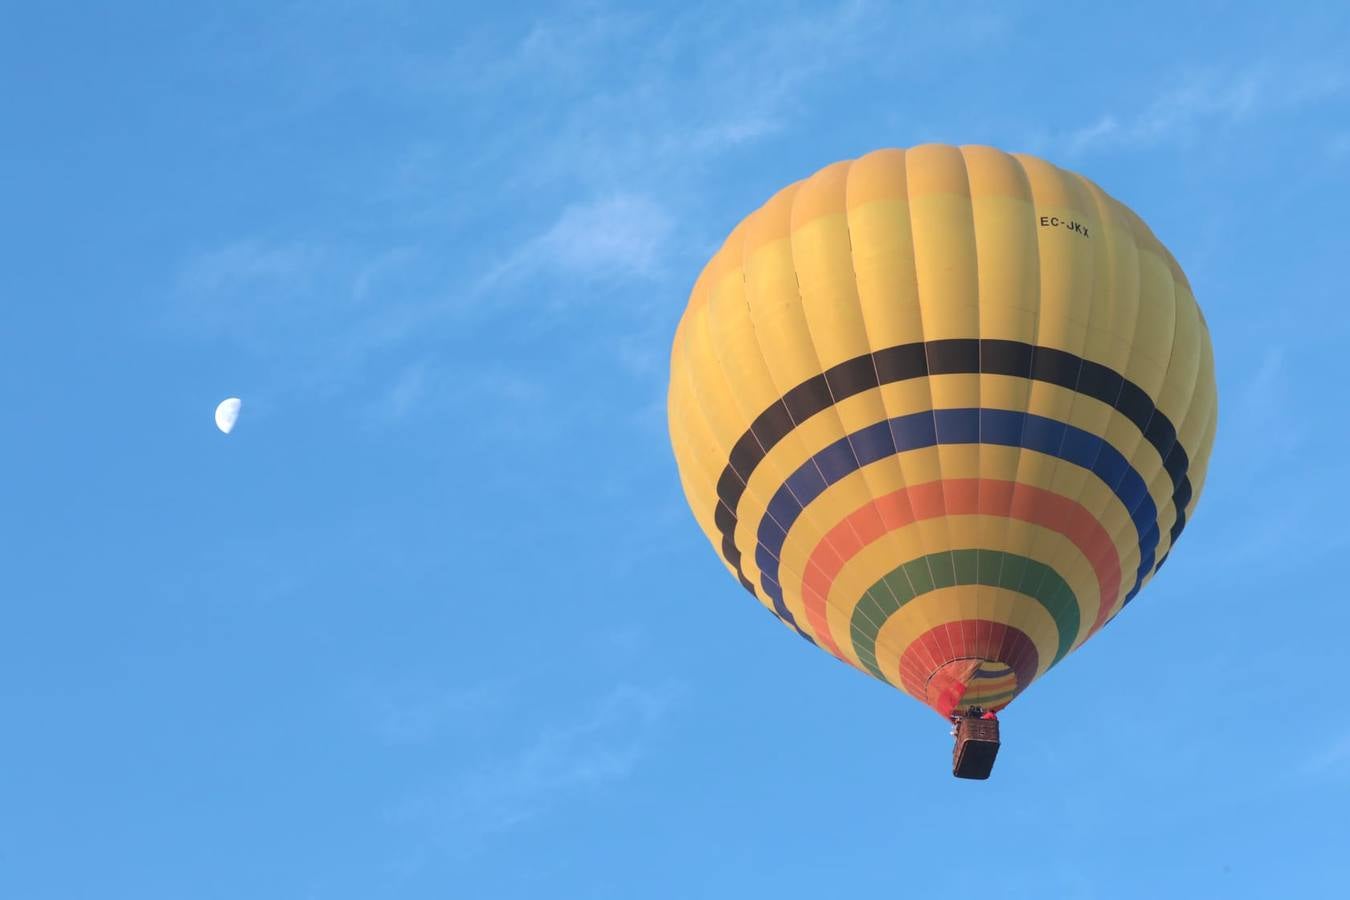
(434, 621)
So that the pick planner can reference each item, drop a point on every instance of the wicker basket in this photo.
(976, 747)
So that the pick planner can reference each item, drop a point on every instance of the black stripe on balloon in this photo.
(958, 356)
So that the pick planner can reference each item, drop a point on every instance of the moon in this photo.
(227, 413)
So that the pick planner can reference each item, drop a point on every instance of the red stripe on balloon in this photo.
(956, 497)
(958, 641)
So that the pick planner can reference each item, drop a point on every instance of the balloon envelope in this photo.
(943, 411)
(227, 413)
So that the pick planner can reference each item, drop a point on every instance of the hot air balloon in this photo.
(943, 411)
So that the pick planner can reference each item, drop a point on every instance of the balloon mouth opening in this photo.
(959, 684)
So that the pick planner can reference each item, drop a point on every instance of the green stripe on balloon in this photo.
(990, 568)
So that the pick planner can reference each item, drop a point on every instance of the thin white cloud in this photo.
(405, 394)
(740, 91)
(716, 136)
(379, 269)
(604, 745)
(245, 262)
(622, 235)
(589, 174)
(700, 84)
(403, 718)
(1264, 418)
(1332, 758)
(1204, 100)
(1262, 446)
(311, 313)
(239, 283)
(572, 45)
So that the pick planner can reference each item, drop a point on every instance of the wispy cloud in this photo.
(233, 286)
(406, 717)
(617, 234)
(1331, 759)
(604, 745)
(621, 235)
(507, 399)
(311, 314)
(735, 86)
(1264, 415)
(407, 392)
(381, 268)
(1339, 145)
(689, 87)
(537, 178)
(1263, 446)
(1212, 98)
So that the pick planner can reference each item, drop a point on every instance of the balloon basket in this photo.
(977, 744)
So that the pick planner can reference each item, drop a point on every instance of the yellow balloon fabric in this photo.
(944, 411)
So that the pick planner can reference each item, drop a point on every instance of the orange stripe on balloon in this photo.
(956, 497)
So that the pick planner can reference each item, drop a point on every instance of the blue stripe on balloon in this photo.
(951, 426)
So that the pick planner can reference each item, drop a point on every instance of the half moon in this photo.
(227, 413)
